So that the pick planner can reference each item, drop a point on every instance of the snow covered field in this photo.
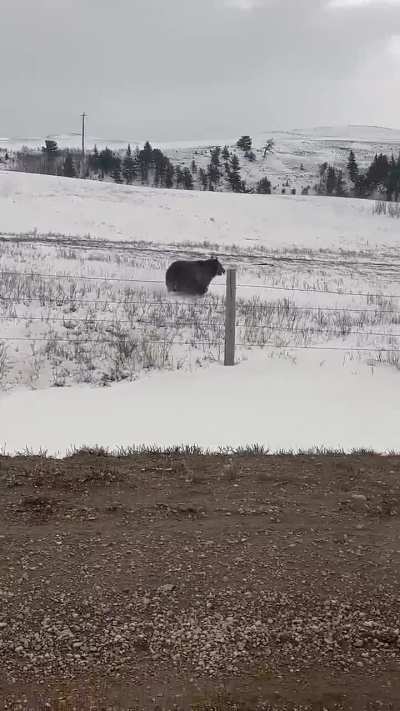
(75, 312)
(122, 212)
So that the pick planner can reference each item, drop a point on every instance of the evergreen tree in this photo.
(268, 148)
(361, 186)
(352, 167)
(116, 171)
(158, 160)
(234, 178)
(187, 179)
(251, 156)
(129, 170)
(214, 175)
(203, 178)
(143, 169)
(68, 167)
(178, 176)
(323, 179)
(340, 189)
(213, 170)
(194, 167)
(169, 174)
(322, 169)
(215, 155)
(331, 180)
(264, 186)
(378, 171)
(93, 161)
(145, 160)
(148, 152)
(397, 179)
(393, 180)
(106, 161)
(244, 143)
(225, 153)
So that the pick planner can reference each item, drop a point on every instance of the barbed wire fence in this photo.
(224, 318)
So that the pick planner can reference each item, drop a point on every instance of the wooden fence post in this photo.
(230, 317)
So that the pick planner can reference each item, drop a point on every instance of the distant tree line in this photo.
(380, 179)
(222, 170)
(147, 166)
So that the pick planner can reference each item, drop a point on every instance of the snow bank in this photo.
(317, 400)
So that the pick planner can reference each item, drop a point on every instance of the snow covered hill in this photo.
(292, 165)
(117, 212)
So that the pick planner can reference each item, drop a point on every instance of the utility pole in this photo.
(83, 116)
(83, 133)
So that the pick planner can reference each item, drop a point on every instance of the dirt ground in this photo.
(200, 582)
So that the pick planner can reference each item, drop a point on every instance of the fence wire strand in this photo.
(64, 299)
(267, 287)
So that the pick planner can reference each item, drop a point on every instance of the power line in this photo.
(83, 116)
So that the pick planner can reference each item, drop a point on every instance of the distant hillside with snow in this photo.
(293, 164)
(352, 133)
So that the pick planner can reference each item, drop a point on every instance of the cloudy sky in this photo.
(183, 69)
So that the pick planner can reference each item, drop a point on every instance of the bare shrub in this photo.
(383, 207)
(5, 365)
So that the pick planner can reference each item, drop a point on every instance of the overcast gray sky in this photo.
(182, 69)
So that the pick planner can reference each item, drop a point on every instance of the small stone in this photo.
(165, 589)
(359, 497)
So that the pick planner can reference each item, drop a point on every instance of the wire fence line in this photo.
(63, 241)
(215, 343)
(325, 348)
(185, 324)
(272, 287)
(318, 291)
(189, 320)
(102, 341)
(326, 331)
(115, 320)
(81, 276)
(63, 299)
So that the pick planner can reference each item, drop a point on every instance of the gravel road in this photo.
(200, 582)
